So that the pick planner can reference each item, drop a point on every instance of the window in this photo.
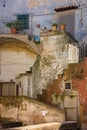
(67, 85)
(24, 19)
(68, 19)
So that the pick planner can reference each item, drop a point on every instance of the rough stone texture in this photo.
(77, 73)
(29, 111)
(56, 95)
(57, 52)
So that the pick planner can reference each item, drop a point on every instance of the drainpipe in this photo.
(31, 24)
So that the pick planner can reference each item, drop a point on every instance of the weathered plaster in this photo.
(29, 111)
(54, 57)
(42, 8)
(16, 59)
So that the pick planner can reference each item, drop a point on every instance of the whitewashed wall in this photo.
(24, 82)
(73, 54)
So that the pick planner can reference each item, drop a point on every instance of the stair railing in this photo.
(58, 69)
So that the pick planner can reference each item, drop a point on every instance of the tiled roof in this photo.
(65, 8)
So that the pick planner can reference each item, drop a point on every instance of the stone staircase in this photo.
(73, 70)
(51, 75)
(55, 88)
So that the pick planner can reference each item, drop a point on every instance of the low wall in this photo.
(46, 126)
(29, 111)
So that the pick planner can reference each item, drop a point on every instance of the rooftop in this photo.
(71, 7)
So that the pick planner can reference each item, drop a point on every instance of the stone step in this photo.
(44, 126)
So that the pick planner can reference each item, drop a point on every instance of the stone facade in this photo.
(57, 52)
(75, 95)
(16, 57)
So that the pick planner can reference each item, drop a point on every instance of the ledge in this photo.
(45, 126)
(43, 34)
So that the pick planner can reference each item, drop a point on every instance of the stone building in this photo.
(16, 57)
(30, 71)
(57, 52)
(41, 70)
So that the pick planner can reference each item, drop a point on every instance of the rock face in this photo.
(29, 111)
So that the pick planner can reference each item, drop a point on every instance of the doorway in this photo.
(17, 90)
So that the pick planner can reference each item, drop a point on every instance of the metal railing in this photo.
(82, 50)
(53, 71)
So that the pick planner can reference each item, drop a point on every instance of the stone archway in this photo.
(20, 38)
(16, 56)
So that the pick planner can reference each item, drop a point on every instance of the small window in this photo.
(67, 85)
(24, 19)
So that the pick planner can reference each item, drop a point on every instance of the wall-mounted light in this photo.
(3, 3)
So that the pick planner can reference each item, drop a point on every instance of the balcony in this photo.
(17, 30)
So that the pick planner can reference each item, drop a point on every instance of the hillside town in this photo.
(43, 64)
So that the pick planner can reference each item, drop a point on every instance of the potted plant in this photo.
(62, 26)
(11, 26)
(15, 26)
(18, 25)
(54, 27)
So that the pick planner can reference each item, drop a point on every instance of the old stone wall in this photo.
(77, 74)
(29, 111)
(54, 57)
